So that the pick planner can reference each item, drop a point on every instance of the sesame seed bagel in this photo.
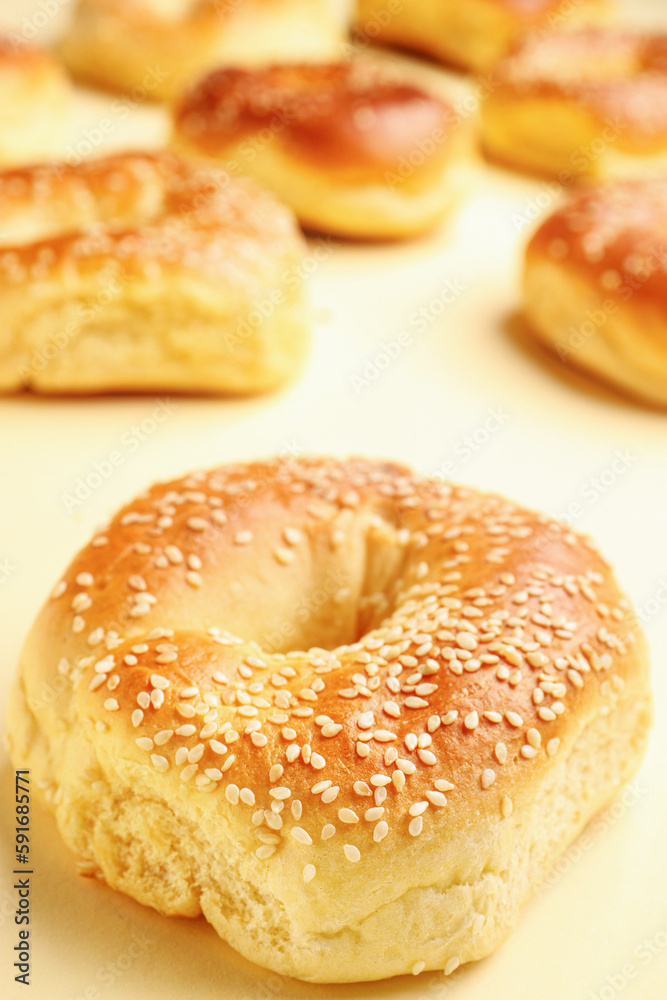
(144, 272)
(351, 147)
(35, 97)
(472, 34)
(350, 714)
(585, 104)
(595, 285)
(158, 47)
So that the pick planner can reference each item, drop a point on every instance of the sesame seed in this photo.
(452, 965)
(436, 799)
(352, 853)
(197, 523)
(528, 752)
(413, 702)
(488, 777)
(416, 826)
(243, 537)
(418, 808)
(144, 743)
(534, 738)
(232, 793)
(471, 720)
(427, 757)
(309, 873)
(552, 746)
(514, 719)
(506, 806)
(418, 967)
(160, 763)
(265, 851)
(328, 830)
(329, 794)
(301, 836)
(361, 788)
(331, 729)
(380, 831)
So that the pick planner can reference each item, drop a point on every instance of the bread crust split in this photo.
(349, 714)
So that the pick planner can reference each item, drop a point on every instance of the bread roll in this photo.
(579, 105)
(353, 148)
(140, 272)
(470, 34)
(35, 98)
(596, 285)
(350, 714)
(162, 46)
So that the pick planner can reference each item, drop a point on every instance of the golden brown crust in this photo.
(613, 237)
(314, 698)
(129, 210)
(497, 637)
(355, 117)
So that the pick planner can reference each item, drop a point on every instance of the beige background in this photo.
(551, 439)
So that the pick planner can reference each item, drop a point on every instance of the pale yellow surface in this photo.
(456, 374)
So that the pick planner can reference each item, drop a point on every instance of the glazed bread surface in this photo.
(354, 148)
(320, 701)
(595, 286)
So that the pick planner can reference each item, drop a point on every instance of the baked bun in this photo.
(470, 34)
(586, 104)
(162, 46)
(596, 285)
(349, 714)
(35, 97)
(142, 272)
(351, 148)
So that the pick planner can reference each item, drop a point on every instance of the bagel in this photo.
(35, 97)
(595, 285)
(142, 272)
(581, 105)
(350, 714)
(353, 149)
(470, 34)
(160, 47)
